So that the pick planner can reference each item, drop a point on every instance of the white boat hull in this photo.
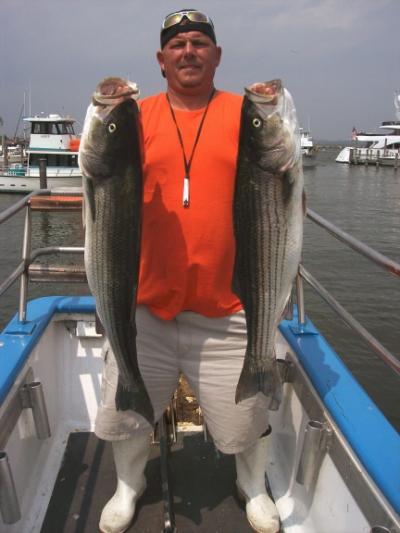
(70, 371)
(26, 184)
(353, 155)
(344, 155)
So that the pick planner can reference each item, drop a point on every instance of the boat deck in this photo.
(201, 478)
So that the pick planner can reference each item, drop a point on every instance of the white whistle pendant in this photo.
(186, 192)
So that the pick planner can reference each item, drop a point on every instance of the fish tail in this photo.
(251, 382)
(136, 398)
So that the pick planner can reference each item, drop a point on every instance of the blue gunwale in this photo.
(18, 340)
(373, 438)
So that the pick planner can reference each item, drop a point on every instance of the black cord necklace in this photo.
(188, 163)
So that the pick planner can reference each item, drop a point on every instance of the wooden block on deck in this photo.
(56, 203)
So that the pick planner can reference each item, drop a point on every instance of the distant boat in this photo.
(52, 139)
(374, 147)
(307, 148)
(15, 154)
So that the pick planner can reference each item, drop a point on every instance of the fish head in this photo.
(270, 129)
(110, 129)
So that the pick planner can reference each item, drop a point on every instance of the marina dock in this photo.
(365, 156)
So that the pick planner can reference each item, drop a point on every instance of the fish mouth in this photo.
(265, 91)
(112, 91)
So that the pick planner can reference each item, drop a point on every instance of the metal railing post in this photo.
(26, 246)
(9, 505)
(301, 315)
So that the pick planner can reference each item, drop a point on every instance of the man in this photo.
(187, 318)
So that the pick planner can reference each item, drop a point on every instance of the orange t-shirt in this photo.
(187, 254)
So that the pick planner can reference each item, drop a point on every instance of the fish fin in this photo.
(98, 324)
(132, 316)
(288, 308)
(235, 284)
(266, 381)
(135, 397)
(89, 204)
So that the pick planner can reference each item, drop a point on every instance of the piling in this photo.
(43, 173)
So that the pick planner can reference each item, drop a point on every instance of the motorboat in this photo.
(52, 157)
(15, 155)
(306, 143)
(373, 147)
(334, 458)
(307, 148)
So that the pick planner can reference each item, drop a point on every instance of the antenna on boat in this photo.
(25, 126)
(397, 103)
(30, 99)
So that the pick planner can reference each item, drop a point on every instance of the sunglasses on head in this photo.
(194, 16)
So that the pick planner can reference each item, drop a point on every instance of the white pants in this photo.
(210, 353)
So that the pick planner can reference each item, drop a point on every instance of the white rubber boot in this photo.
(130, 457)
(261, 511)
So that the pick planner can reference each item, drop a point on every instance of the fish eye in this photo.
(112, 127)
(257, 122)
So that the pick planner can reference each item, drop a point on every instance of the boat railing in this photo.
(372, 255)
(374, 155)
(63, 171)
(53, 200)
(27, 270)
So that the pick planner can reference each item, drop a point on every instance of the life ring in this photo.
(74, 144)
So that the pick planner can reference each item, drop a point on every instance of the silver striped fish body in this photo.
(268, 222)
(110, 160)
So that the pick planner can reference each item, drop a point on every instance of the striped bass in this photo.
(111, 165)
(268, 226)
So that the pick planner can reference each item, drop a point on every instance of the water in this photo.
(48, 229)
(363, 201)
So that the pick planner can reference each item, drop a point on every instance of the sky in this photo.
(340, 59)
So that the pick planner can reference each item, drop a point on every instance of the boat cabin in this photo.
(53, 138)
(51, 132)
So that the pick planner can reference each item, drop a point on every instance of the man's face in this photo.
(189, 60)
